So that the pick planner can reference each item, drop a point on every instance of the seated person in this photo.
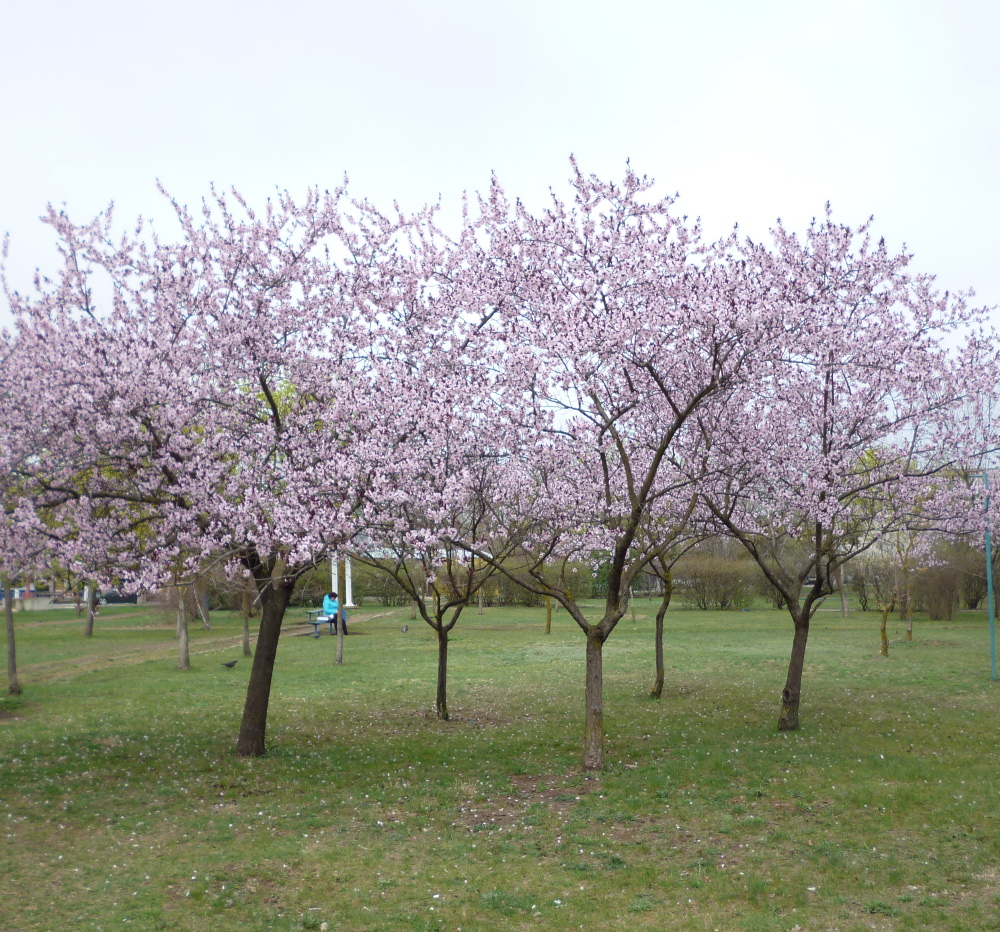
(331, 608)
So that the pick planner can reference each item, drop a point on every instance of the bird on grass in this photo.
(406, 628)
(231, 664)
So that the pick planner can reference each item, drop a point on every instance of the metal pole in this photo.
(990, 605)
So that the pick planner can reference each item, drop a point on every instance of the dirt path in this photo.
(59, 670)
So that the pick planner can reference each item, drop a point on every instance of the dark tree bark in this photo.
(788, 719)
(441, 698)
(668, 591)
(274, 596)
(13, 686)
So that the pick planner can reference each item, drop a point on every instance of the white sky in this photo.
(751, 110)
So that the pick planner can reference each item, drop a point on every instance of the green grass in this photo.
(122, 804)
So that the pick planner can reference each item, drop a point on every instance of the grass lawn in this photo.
(122, 804)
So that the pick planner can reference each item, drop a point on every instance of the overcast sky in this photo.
(751, 111)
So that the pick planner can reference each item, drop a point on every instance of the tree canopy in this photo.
(271, 386)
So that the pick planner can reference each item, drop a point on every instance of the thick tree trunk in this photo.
(441, 699)
(788, 720)
(13, 686)
(183, 640)
(593, 735)
(88, 625)
(668, 591)
(253, 728)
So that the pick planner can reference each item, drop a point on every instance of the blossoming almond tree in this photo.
(442, 484)
(855, 430)
(623, 329)
(23, 550)
(225, 401)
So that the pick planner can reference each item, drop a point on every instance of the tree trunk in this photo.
(13, 686)
(480, 596)
(183, 641)
(441, 699)
(883, 630)
(253, 728)
(668, 591)
(341, 585)
(593, 736)
(788, 720)
(249, 599)
(909, 611)
(548, 614)
(88, 625)
(839, 579)
(201, 600)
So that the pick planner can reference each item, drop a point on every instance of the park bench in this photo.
(317, 618)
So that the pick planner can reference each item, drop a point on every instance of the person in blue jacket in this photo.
(331, 608)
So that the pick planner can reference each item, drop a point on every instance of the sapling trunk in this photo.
(342, 612)
(88, 625)
(441, 699)
(249, 594)
(13, 686)
(838, 576)
(201, 598)
(183, 641)
(884, 633)
(668, 591)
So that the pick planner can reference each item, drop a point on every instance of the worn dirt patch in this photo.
(557, 793)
